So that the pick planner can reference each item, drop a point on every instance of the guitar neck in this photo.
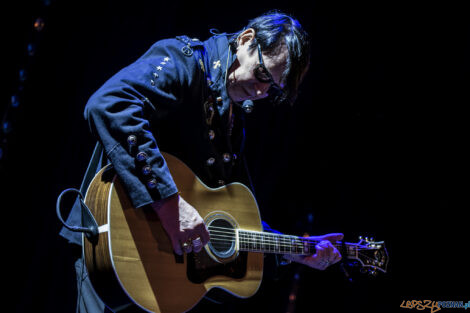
(264, 242)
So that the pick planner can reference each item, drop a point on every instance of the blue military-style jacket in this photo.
(172, 99)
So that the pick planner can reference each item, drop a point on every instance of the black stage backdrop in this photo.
(374, 146)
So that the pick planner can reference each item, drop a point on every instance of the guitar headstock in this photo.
(371, 254)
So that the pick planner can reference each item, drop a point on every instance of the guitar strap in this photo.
(93, 167)
(88, 222)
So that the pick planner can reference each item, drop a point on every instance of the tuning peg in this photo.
(360, 237)
(371, 238)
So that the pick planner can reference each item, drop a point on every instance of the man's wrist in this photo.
(157, 205)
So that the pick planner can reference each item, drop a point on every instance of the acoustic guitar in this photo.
(132, 265)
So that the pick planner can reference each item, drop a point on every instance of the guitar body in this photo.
(132, 265)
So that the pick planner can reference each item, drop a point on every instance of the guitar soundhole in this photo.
(222, 242)
(221, 257)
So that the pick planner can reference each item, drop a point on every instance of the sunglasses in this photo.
(262, 74)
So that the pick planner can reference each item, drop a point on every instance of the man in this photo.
(188, 98)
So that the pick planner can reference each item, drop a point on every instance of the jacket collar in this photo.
(220, 59)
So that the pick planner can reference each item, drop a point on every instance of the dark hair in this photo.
(273, 29)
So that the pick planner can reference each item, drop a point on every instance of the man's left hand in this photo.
(325, 255)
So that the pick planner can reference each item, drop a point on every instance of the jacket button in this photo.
(227, 157)
(211, 134)
(210, 161)
(132, 140)
(146, 170)
(141, 156)
(152, 183)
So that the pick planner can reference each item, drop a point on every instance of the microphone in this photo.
(248, 106)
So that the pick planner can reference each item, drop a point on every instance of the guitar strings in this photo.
(280, 248)
(283, 241)
(247, 233)
(297, 245)
(221, 241)
(256, 237)
(268, 235)
(291, 244)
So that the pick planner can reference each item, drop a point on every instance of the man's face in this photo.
(242, 83)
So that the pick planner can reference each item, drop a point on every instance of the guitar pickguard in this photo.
(202, 267)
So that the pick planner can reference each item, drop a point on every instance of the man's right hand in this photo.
(183, 224)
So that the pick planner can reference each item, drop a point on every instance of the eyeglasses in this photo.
(262, 74)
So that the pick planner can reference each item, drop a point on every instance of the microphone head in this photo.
(247, 106)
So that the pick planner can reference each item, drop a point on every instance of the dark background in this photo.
(374, 146)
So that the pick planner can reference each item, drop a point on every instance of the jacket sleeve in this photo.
(121, 112)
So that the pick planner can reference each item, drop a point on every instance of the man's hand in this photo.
(326, 254)
(183, 224)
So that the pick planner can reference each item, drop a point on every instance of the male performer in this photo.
(188, 98)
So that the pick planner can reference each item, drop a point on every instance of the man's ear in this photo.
(247, 36)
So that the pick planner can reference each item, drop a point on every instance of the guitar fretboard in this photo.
(283, 244)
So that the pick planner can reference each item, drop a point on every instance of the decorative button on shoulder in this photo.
(187, 50)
